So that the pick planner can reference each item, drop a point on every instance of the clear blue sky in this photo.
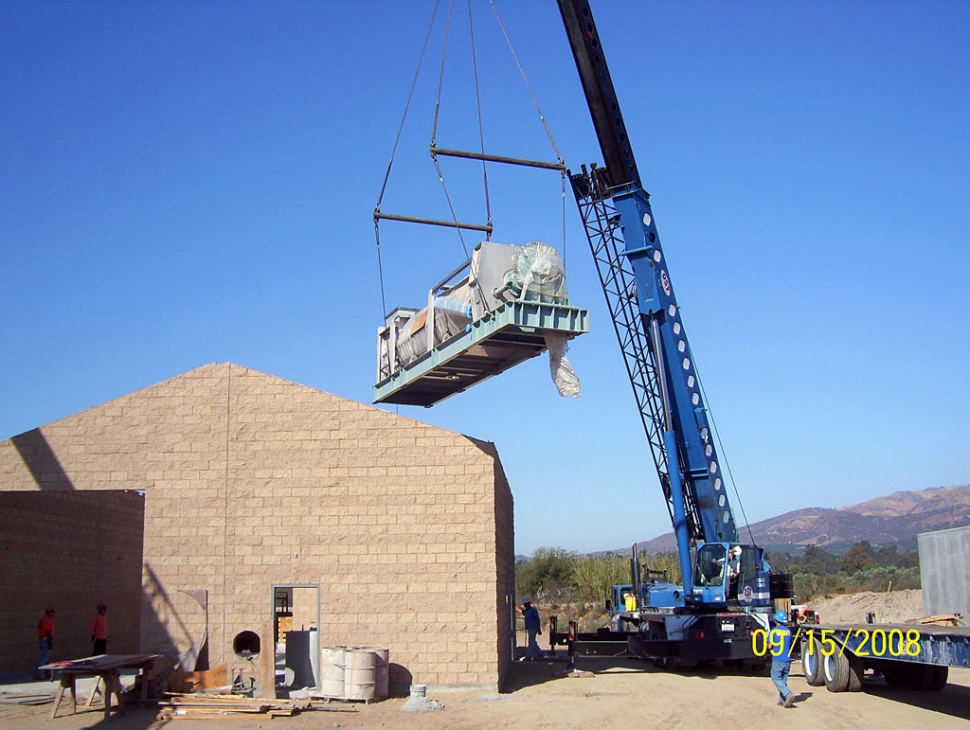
(188, 182)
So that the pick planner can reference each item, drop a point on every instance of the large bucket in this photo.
(360, 674)
(332, 671)
(381, 668)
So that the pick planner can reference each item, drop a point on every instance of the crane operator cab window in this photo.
(711, 565)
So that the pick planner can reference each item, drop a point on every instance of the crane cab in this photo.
(730, 573)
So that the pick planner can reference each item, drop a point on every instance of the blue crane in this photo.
(622, 233)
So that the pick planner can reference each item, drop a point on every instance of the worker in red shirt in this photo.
(45, 637)
(99, 631)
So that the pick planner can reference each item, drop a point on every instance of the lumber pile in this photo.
(202, 706)
(26, 698)
(947, 619)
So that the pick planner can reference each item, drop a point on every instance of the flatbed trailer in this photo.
(907, 656)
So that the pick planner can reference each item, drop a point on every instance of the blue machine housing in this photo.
(664, 596)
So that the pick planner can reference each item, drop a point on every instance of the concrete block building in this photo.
(214, 510)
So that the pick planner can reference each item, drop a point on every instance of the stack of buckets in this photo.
(354, 672)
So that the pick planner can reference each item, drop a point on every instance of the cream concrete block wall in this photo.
(253, 481)
(71, 550)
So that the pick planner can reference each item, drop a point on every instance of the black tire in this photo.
(896, 677)
(922, 677)
(929, 677)
(857, 670)
(835, 670)
(939, 678)
(842, 672)
(812, 666)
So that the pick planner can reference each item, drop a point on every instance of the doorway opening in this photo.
(296, 619)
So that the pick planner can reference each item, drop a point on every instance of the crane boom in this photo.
(623, 237)
(600, 94)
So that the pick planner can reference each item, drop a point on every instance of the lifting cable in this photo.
(724, 460)
(560, 165)
(390, 162)
(487, 229)
(542, 118)
(528, 86)
(481, 128)
(434, 134)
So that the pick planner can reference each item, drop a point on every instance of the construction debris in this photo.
(946, 619)
(22, 698)
(201, 706)
(421, 704)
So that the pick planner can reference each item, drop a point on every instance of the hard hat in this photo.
(526, 601)
(780, 617)
(736, 550)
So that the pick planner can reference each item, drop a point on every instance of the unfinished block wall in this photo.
(71, 550)
(252, 481)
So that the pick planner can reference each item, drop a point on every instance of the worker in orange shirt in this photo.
(99, 631)
(45, 636)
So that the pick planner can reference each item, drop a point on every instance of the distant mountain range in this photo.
(896, 519)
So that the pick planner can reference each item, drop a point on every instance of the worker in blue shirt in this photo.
(779, 643)
(533, 626)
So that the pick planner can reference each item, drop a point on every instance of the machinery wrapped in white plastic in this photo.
(496, 275)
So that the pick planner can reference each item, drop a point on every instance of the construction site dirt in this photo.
(605, 693)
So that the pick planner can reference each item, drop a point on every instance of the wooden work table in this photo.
(107, 669)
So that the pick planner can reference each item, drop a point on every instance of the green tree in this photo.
(819, 561)
(595, 577)
(547, 574)
(668, 561)
(779, 562)
(858, 557)
(890, 556)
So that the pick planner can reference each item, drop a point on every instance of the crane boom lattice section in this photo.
(602, 226)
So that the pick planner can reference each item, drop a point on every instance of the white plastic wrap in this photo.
(497, 273)
(563, 375)
(537, 274)
(452, 313)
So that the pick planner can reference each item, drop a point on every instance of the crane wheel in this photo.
(812, 665)
(843, 672)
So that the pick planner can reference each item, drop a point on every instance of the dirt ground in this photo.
(619, 693)
(616, 693)
(852, 608)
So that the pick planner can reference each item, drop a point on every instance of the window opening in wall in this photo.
(296, 613)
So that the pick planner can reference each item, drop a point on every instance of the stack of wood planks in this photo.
(203, 706)
(26, 698)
